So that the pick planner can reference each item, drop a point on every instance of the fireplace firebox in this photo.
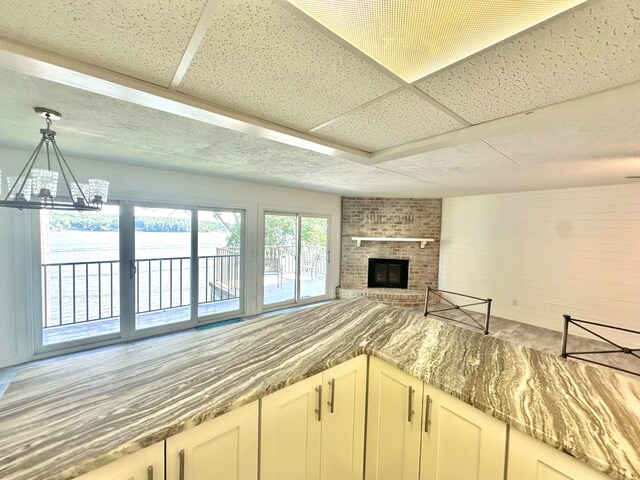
(388, 273)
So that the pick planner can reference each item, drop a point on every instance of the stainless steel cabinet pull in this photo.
(411, 411)
(427, 415)
(319, 409)
(132, 269)
(332, 395)
(150, 472)
(181, 455)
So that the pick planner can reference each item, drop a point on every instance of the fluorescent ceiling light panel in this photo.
(414, 38)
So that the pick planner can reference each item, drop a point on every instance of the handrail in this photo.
(95, 262)
(482, 301)
(79, 292)
(618, 348)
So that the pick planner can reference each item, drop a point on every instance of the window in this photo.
(162, 266)
(164, 284)
(80, 274)
(295, 258)
(219, 266)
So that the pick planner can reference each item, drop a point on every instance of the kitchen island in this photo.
(62, 417)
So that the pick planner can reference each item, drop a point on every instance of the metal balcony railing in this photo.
(78, 292)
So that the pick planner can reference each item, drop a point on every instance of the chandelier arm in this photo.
(27, 167)
(48, 156)
(64, 175)
(55, 147)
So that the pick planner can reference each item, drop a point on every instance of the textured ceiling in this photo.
(399, 118)
(142, 39)
(583, 143)
(260, 59)
(100, 128)
(414, 39)
(593, 48)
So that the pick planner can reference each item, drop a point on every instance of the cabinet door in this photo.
(531, 459)
(459, 442)
(393, 433)
(224, 448)
(291, 432)
(343, 419)
(145, 464)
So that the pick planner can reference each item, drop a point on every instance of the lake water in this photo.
(77, 246)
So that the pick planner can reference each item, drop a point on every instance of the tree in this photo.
(280, 230)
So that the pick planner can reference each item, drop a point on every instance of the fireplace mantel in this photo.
(423, 241)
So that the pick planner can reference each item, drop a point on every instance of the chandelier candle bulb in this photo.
(79, 192)
(99, 190)
(18, 196)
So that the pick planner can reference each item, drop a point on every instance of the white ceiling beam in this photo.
(211, 9)
(49, 66)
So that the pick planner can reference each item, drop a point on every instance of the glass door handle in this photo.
(132, 269)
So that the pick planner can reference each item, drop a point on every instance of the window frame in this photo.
(127, 285)
(37, 292)
(298, 214)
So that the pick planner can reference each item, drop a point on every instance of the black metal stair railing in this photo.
(568, 320)
(484, 327)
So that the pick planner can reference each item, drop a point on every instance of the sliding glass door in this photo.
(80, 275)
(280, 258)
(313, 256)
(135, 270)
(295, 258)
(162, 266)
(219, 262)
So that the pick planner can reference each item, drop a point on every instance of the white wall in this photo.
(573, 251)
(144, 184)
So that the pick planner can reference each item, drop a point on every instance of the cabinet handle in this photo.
(411, 411)
(427, 414)
(319, 409)
(332, 395)
(181, 455)
(150, 472)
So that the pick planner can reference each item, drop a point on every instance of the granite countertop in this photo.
(62, 417)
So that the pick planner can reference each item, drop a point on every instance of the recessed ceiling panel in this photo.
(593, 48)
(470, 169)
(142, 39)
(397, 119)
(259, 59)
(586, 135)
(416, 38)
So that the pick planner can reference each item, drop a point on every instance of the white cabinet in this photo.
(225, 448)
(530, 459)
(145, 464)
(291, 432)
(314, 429)
(393, 423)
(443, 439)
(343, 420)
(460, 442)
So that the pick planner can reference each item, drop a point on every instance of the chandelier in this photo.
(36, 188)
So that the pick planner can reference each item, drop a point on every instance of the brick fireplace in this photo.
(390, 218)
